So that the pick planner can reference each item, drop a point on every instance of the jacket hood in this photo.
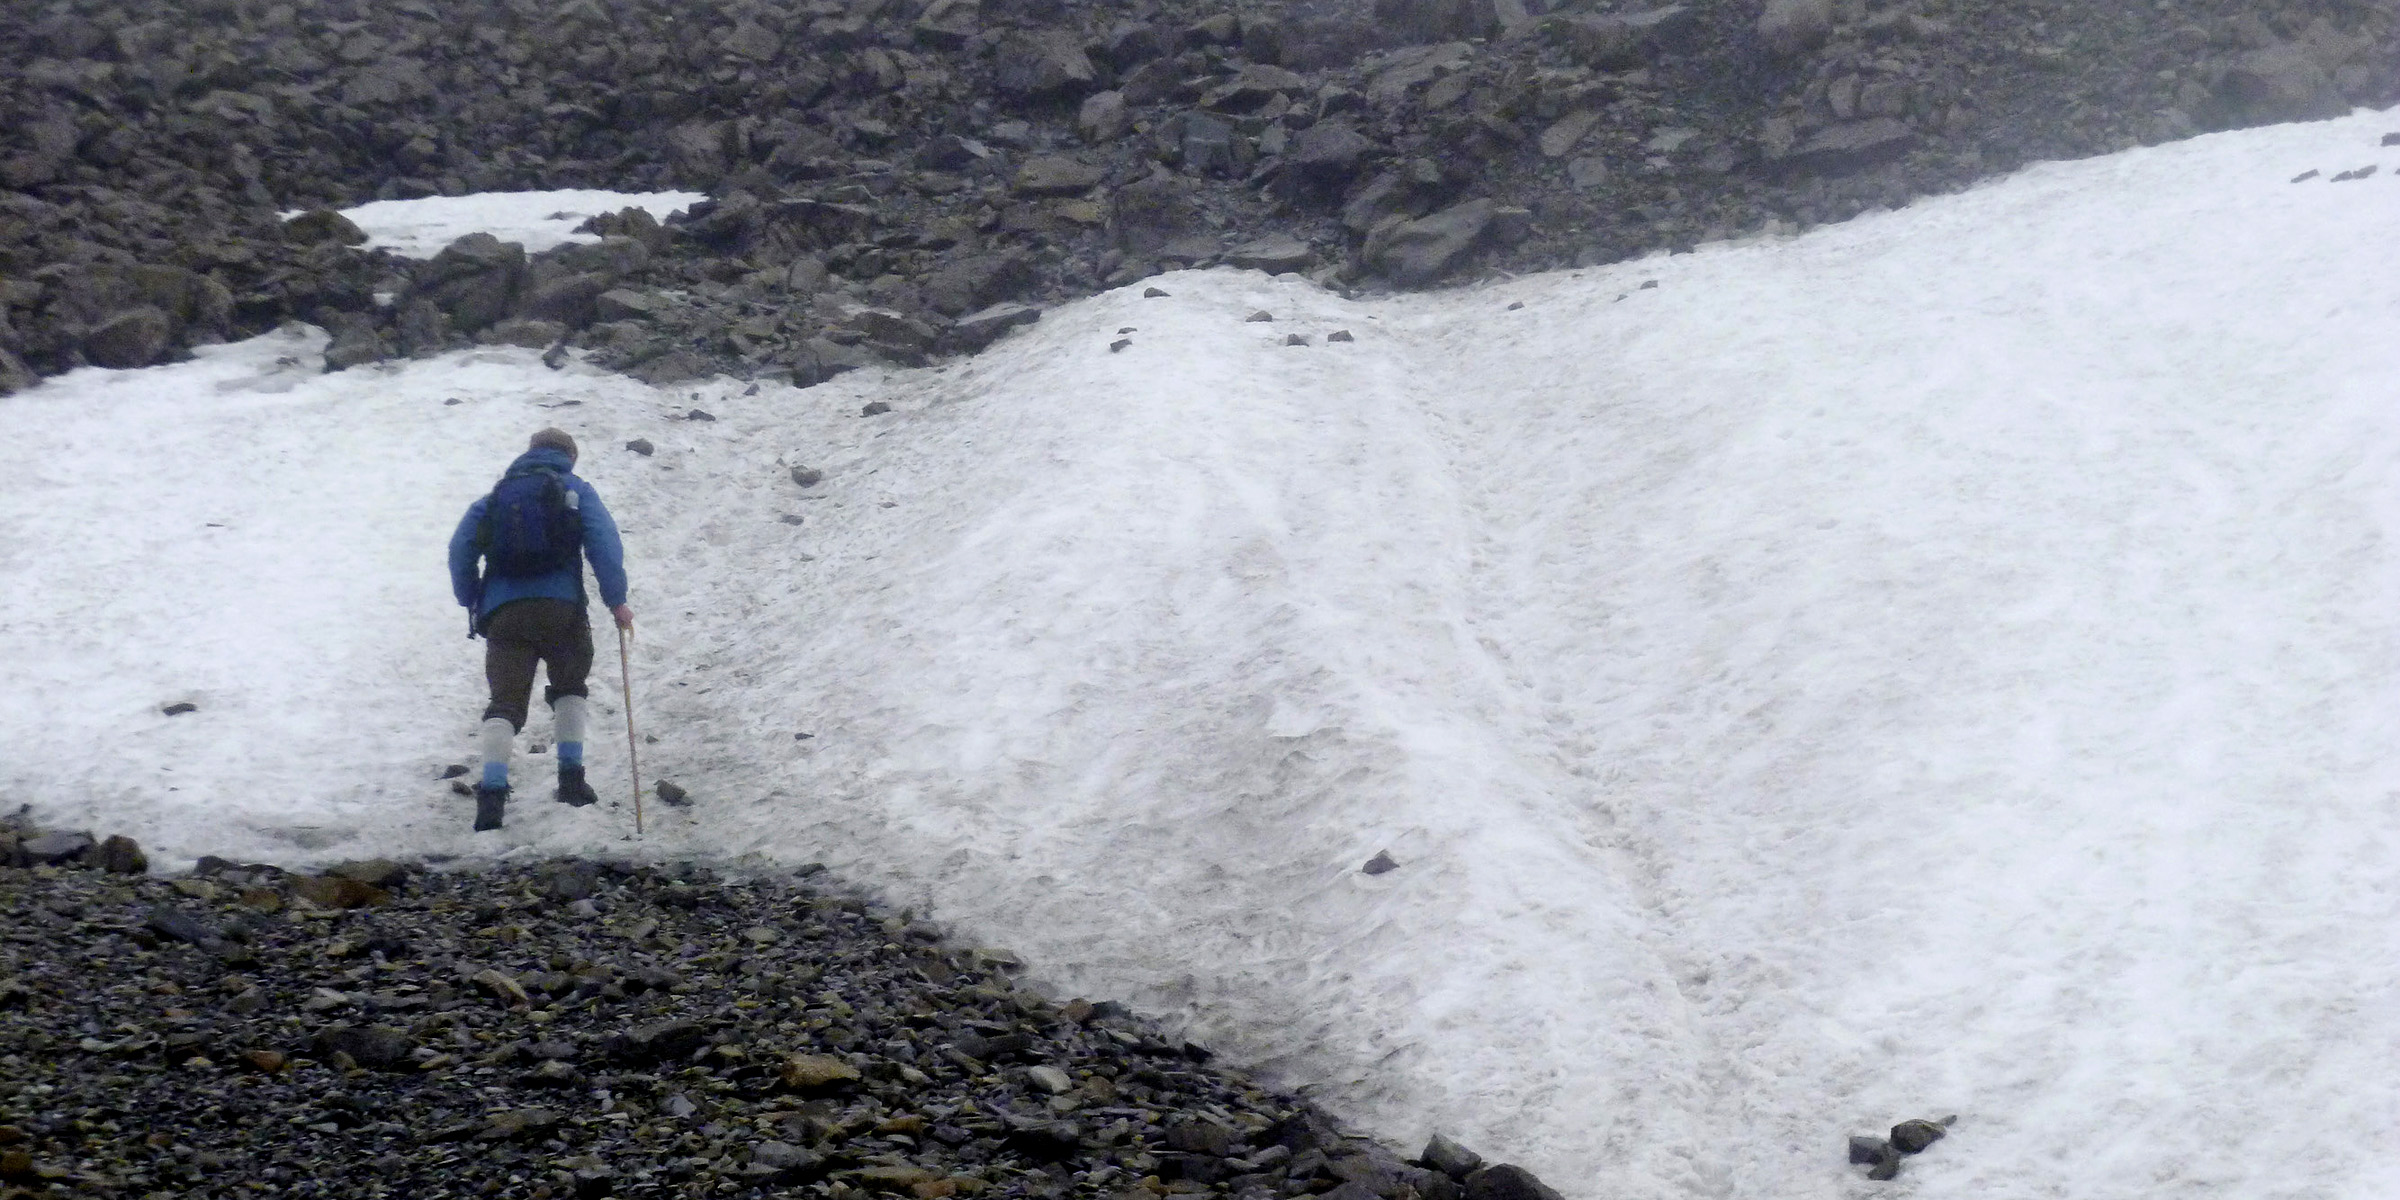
(546, 458)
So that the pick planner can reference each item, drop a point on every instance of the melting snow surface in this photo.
(1944, 663)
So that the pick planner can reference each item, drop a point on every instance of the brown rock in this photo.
(333, 891)
(816, 1072)
(1056, 175)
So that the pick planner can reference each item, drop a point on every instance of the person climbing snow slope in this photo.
(530, 537)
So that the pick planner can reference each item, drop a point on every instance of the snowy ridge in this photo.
(1943, 663)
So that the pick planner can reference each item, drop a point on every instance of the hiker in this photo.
(532, 533)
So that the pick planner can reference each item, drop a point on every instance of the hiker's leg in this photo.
(568, 656)
(509, 658)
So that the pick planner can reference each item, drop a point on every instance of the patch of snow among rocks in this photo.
(539, 220)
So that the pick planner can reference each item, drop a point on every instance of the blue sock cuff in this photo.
(495, 774)
(570, 754)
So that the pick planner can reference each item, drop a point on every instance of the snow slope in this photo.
(1938, 664)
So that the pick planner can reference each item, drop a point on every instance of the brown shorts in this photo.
(521, 633)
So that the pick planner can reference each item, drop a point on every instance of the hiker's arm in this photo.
(463, 556)
(601, 545)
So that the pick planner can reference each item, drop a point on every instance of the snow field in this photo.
(1941, 663)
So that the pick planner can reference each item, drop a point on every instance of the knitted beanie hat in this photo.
(555, 439)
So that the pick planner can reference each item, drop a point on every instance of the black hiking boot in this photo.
(572, 789)
(490, 803)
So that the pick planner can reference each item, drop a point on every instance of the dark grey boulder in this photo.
(1415, 253)
(658, 1041)
(984, 326)
(1506, 1181)
(1448, 1157)
(948, 24)
(1274, 254)
(15, 376)
(1044, 64)
(1619, 41)
(378, 1047)
(1147, 214)
(1436, 20)
(571, 300)
(324, 225)
(1911, 1137)
(1056, 175)
(1329, 153)
(1104, 117)
(121, 855)
(356, 341)
(626, 304)
(136, 337)
(1791, 28)
(2276, 83)
(474, 281)
(1209, 146)
(1851, 146)
(51, 849)
(977, 281)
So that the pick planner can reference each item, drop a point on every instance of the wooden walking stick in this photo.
(633, 752)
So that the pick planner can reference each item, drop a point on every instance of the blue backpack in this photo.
(532, 525)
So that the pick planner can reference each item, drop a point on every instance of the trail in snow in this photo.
(1942, 663)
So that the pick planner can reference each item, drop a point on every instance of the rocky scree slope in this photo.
(884, 169)
(575, 1028)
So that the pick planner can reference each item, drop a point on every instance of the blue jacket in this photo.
(600, 545)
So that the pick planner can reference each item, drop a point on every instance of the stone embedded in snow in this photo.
(1295, 339)
(984, 326)
(670, 793)
(1865, 1149)
(1260, 316)
(1909, 1137)
(1340, 335)
(1507, 1181)
(1151, 293)
(1382, 862)
(807, 476)
(639, 446)
(1450, 1158)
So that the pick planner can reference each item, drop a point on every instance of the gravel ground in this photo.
(595, 1029)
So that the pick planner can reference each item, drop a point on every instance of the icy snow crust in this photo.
(1940, 664)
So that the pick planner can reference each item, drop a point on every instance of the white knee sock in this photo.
(496, 738)
(569, 713)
